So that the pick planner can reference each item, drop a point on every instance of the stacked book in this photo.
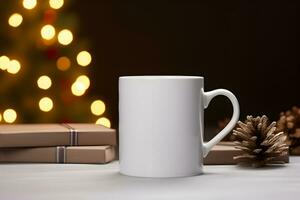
(57, 143)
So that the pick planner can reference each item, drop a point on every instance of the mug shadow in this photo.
(139, 184)
(267, 167)
(118, 175)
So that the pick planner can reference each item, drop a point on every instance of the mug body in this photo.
(160, 125)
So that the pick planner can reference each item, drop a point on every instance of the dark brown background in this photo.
(249, 47)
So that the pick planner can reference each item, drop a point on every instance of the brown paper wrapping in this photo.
(40, 135)
(223, 153)
(82, 154)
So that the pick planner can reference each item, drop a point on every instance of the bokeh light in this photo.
(98, 107)
(9, 115)
(65, 37)
(44, 82)
(84, 80)
(78, 88)
(104, 121)
(0, 117)
(46, 104)
(14, 67)
(29, 4)
(48, 32)
(4, 62)
(15, 20)
(84, 58)
(56, 4)
(63, 63)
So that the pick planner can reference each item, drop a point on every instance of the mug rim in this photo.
(153, 77)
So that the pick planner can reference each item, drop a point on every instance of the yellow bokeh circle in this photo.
(4, 62)
(84, 80)
(44, 82)
(78, 88)
(84, 58)
(48, 32)
(56, 4)
(15, 20)
(9, 115)
(98, 107)
(14, 67)
(65, 37)
(104, 121)
(29, 4)
(46, 104)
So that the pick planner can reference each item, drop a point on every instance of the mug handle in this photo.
(208, 96)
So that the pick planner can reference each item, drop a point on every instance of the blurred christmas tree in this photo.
(43, 66)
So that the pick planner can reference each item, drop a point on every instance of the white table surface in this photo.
(84, 182)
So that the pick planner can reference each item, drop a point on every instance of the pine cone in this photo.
(260, 141)
(289, 122)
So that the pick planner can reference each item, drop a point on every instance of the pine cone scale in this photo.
(273, 124)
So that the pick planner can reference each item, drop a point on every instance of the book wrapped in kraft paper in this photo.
(223, 153)
(60, 154)
(40, 135)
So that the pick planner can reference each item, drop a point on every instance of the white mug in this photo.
(161, 125)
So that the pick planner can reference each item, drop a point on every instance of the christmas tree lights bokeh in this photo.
(45, 67)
